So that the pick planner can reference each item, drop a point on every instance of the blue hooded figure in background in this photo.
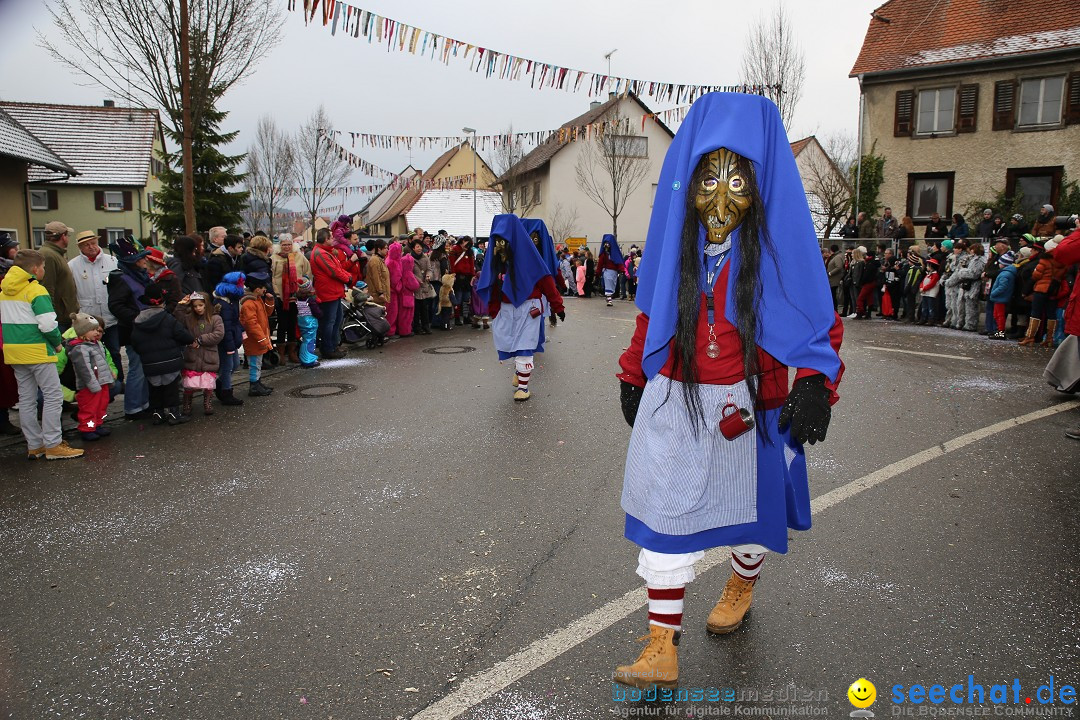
(519, 289)
(546, 246)
(611, 264)
(732, 292)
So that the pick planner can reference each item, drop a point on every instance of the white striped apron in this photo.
(679, 483)
(514, 330)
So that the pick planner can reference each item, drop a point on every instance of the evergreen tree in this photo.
(215, 173)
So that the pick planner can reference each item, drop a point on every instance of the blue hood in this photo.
(547, 245)
(528, 266)
(795, 312)
(615, 255)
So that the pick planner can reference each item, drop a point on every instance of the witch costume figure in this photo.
(611, 263)
(518, 287)
(541, 238)
(732, 291)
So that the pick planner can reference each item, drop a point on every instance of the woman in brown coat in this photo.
(201, 361)
(377, 274)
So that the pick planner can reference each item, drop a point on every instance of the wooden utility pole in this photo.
(185, 103)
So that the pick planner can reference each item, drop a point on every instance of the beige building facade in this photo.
(967, 100)
(550, 171)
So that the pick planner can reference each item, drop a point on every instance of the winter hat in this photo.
(947, 244)
(1029, 238)
(1054, 242)
(155, 255)
(84, 323)
(231, 285)
(305, 284)
(1007, 259)
(933, 262)
(344, 219)
(153, 295)
(257, 279)
(1025, 253)
(6, 243)
(1048, 208)
(1018, 216)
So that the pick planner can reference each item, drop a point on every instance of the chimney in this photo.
(109, 103)
(594, 104)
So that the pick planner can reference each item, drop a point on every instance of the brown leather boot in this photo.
(1051, 328)
(658, 663)
(1032, 331)
(734, 602)
(207, 403)
(291, 350)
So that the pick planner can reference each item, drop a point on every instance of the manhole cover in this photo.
(321, 390)
(450, 350)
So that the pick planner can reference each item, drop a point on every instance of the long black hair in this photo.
(753, 239)
(501, 267)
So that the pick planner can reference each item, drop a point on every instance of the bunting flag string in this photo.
(491, 142)
(399, 182)
(358, 23)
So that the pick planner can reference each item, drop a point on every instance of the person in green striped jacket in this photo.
(31, 343)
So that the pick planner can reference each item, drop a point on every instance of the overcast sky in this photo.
(367, 89)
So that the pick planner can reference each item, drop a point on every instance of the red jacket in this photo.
(461, 263)
(1068, 253)
(727, 369)
(544, 287)
(604, 263)
(330, 277)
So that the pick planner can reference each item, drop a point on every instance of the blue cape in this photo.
(528, 266)
(615, 255)
(547, 245)
(796, 312)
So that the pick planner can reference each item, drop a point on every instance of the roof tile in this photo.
(108, 146)
(938, 32)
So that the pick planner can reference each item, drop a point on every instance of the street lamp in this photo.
(473, 131)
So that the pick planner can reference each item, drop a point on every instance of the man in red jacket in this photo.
(330, 280)
(1067, 252)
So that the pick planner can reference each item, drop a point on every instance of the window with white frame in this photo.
(150, 202)
(936, 111)
(39, 199)
(39, 236)
(114, 235)
(636, 146)
(1040, 101)
(114, 200)
(536, 192)
(524, 195)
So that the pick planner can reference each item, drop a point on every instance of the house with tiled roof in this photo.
(543, 183)
(828, 192)
(21, 152)
(381, 201)
(456, 163)
(115, 155)
(966, 98)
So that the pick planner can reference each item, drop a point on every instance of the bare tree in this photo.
(774, 58)
(611, 166)
(516, 183)
(176, 55)
(319, 170)
(832, 191)
(563, 221)
(270, 162)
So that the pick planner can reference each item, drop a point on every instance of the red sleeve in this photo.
(1068, 250)
(836, 337)
(547, 286)
(630, 361)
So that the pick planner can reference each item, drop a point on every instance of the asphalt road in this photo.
(366, 554)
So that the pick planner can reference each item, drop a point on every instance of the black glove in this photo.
(562, 316)
(807, 409)
(630, 398)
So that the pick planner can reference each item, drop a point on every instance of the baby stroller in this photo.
(364, 321)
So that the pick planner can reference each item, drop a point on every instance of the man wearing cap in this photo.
(58, 280)
(1044, 224)
(90, 270)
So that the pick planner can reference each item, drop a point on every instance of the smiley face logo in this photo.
(862, 693)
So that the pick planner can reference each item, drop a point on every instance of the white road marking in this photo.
(487, 683)
(916, 352)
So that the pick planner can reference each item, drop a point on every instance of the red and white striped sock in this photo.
(524, 372)
(666, 606)
(747, 565)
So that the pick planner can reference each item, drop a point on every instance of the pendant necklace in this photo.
(715, 255)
